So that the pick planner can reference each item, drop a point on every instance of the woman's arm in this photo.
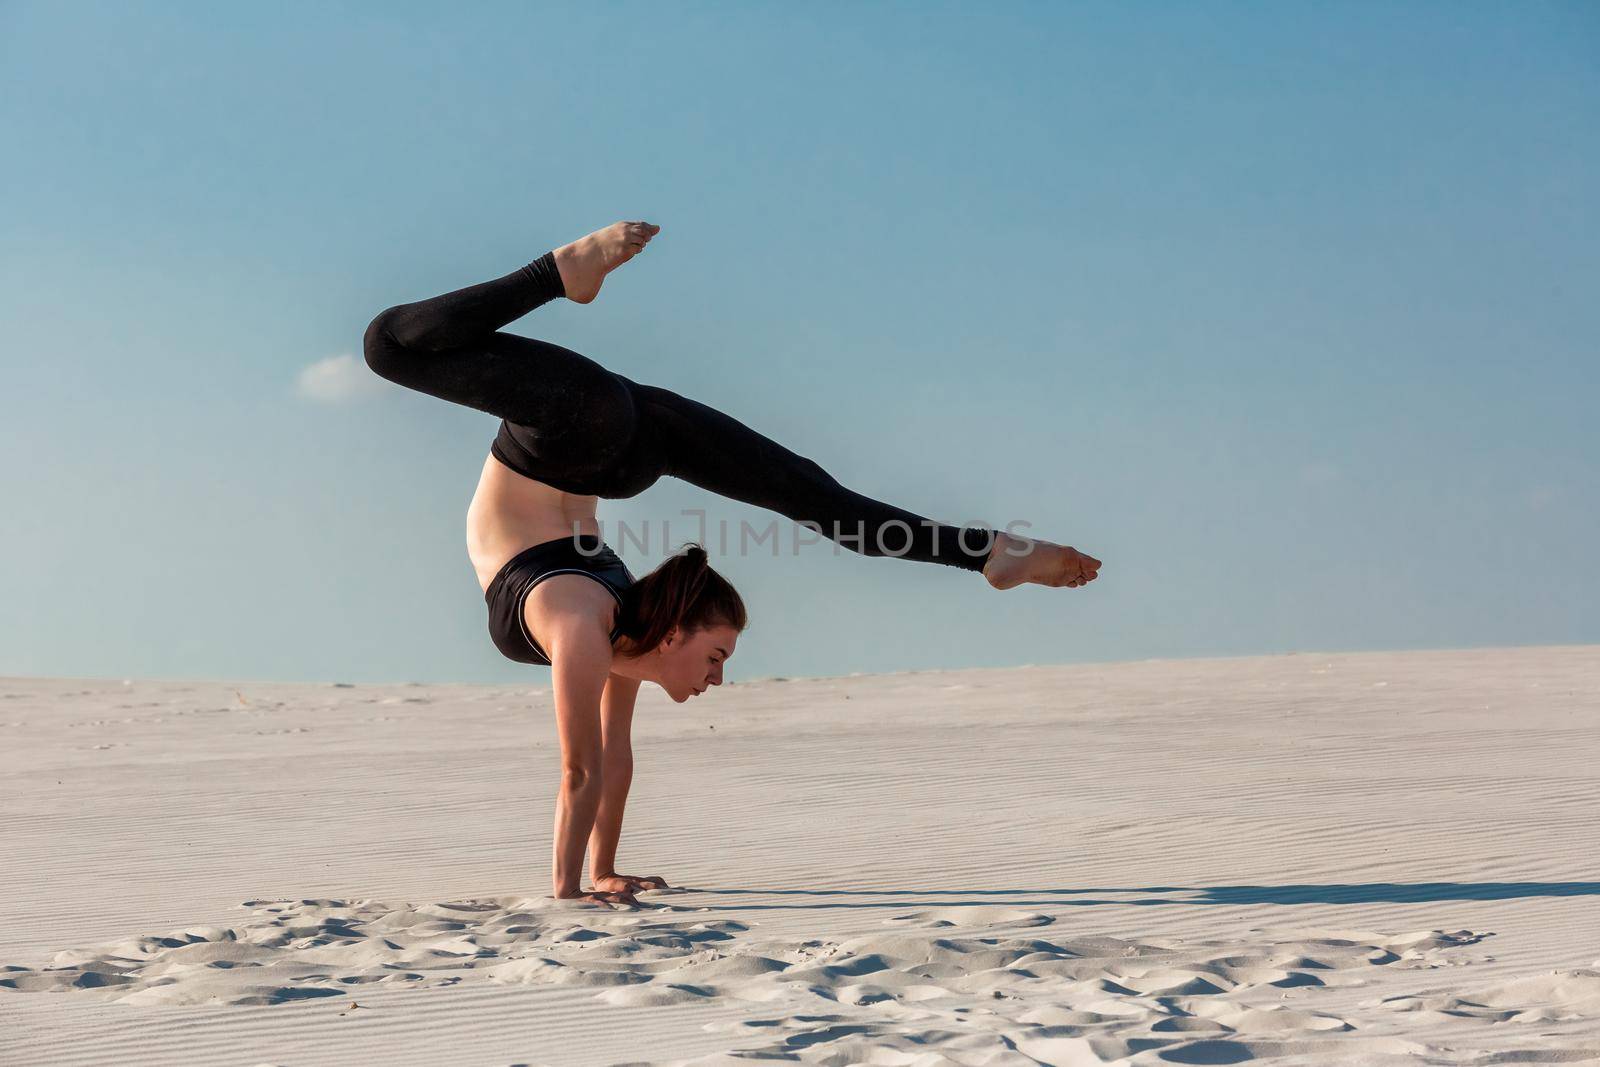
(616, 770)
(580, 654)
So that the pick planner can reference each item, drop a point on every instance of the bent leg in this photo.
(709, 449)
(465, 316)
(447, 346)
(570, 416)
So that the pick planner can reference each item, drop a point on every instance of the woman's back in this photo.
(510, 513)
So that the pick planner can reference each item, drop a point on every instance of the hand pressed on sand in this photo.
(628, 883)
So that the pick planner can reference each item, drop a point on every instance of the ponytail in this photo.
(683, 592)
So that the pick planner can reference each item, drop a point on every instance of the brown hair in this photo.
(684, 592)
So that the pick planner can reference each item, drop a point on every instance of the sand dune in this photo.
(1302, 859)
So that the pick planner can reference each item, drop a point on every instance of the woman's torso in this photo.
(539, 557)
(510, 513)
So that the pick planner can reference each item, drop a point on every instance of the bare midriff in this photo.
(510, 512)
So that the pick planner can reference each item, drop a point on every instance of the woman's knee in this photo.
(384, 354)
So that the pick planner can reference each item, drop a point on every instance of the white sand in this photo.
(1307, 859)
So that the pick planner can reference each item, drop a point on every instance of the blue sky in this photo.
(1284, 311)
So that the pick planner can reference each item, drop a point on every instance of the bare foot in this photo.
(1017, 561)
(585, 262)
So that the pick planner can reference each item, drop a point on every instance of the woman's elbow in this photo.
(580, 777)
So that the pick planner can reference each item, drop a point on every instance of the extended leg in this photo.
(715, 452)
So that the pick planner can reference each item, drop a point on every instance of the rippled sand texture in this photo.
(1299, 859)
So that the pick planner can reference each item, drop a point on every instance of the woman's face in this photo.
(692, 662)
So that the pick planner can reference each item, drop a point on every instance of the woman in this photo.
(572, 432)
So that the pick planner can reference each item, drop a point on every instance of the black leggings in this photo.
(572, 424)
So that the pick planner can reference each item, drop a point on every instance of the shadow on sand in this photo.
(1360, 893)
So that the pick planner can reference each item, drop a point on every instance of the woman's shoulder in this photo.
(564, 608)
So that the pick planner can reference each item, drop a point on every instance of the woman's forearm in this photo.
(576, 806)
(617, 777)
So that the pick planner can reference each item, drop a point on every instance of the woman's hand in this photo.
(628, 883)
(600, 896)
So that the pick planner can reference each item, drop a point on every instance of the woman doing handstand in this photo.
(572, 432)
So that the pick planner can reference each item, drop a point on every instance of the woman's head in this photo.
(681, 621)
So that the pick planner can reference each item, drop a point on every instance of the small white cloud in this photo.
(337, 379)
(1540, 497)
